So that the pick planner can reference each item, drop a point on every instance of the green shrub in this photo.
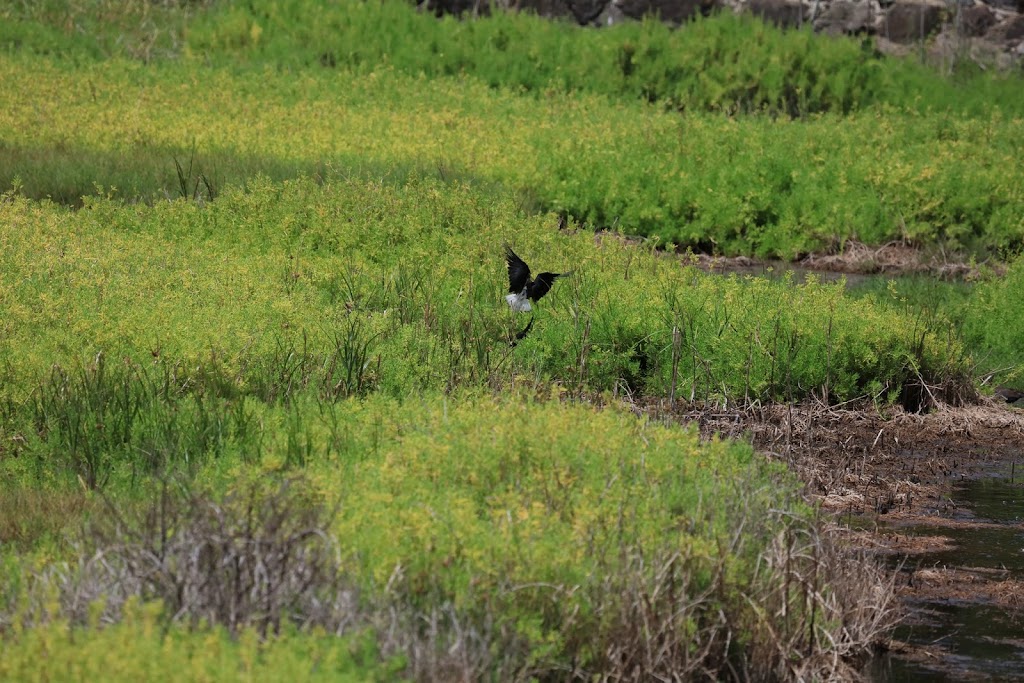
(749, 185)
(736, 64)
(994, 326)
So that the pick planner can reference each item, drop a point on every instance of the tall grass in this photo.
(992, 325)
(983, 312)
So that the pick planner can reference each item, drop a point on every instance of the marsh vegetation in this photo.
(259, 412)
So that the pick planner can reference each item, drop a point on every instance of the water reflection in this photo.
(972, 640)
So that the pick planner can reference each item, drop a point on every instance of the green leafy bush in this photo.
(750, 185)
(994, 326)
(723, 63)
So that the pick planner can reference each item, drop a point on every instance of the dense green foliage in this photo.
(403, 284)
(986, 313)
(993, 324)
(335, 328)
(539, 528)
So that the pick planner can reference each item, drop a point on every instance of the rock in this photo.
(782, 13)
(458, 7)
(586, 11)
(674, 11)
(1008, 33)
(1016, 5)
(544, 8)
(1010, 394)
(610, 16)
(846, 17)
(976, 20)
(909, 22)
(1014, 29)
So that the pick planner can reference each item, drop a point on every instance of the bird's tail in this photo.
(522, 335)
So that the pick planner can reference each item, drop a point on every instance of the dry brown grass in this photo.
(251, 560)
(27, 515)
(891, 258)
(812, 612)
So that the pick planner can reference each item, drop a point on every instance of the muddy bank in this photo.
(894, 484)
(856, 260)
(892, 463)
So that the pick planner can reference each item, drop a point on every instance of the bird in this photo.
(521, 288)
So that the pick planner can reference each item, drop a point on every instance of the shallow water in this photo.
(976, 640)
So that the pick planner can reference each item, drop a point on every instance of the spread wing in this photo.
(542, 284)
(518, 271)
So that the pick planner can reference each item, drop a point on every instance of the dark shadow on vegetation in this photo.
(66, 174)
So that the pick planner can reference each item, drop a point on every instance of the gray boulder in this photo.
(976, 20)
(909, 22)
(846, 17)
(782, 13)
(673, 11)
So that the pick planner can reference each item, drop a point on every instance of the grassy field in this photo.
(259, 410)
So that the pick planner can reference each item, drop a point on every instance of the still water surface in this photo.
(977, 640)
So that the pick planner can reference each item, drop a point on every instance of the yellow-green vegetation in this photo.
(532, 534)
(720, 63)
(986, 314)
(315, 327)
(142, 647)
(993, 322)
(410, 279)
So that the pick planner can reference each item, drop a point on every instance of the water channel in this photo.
(966, 637)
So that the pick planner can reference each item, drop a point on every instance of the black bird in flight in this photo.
(521, 288)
